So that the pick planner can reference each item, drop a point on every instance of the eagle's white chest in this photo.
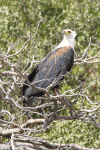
(66, 42)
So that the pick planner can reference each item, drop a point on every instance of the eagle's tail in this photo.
(30, 100)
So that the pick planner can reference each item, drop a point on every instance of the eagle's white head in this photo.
(69, 34)
(68, 40)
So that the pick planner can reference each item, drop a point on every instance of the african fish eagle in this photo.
(52, 69)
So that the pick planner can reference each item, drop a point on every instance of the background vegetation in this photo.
(20, 17)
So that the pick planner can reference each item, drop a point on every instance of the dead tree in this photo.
(14, 124)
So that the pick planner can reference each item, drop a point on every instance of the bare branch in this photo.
(19, 122)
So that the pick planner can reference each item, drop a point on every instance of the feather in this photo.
(52, 69)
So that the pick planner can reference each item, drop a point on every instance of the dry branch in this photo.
(41, 144)
(48, 107)
(8, 132)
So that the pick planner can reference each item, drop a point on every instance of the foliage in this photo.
(20, 17)
(74, 132)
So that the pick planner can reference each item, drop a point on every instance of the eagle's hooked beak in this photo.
(63, 32)
(66, 32)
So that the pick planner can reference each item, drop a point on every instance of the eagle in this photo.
(52, 69)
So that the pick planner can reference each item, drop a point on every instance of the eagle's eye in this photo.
(69, 31)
